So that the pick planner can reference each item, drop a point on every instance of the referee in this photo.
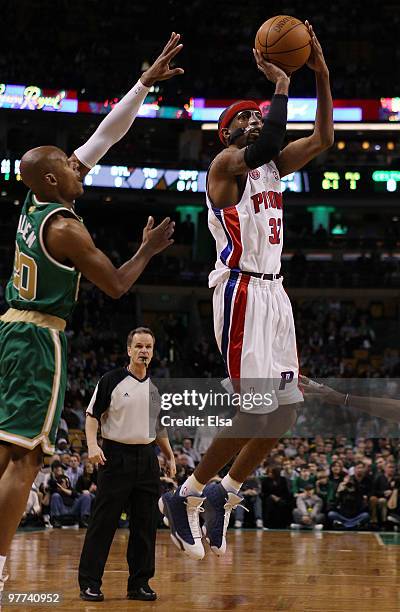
(129, 473)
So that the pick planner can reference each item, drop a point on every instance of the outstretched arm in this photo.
(68, 240)
(120, 119)
(298, 153)
(382, 407)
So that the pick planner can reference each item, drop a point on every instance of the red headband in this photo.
(230, 112)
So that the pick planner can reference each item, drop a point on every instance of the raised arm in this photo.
(298, 153)
(244, 152)
(236, 161)
(68, 240)
(119, 120)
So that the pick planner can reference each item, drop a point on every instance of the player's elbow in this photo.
(116, 290)
(325, 141)
(328, 141)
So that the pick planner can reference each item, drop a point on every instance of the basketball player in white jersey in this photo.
(253, 318)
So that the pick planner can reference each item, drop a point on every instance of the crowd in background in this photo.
(317, 483)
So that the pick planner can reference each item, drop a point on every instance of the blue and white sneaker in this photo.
(217, 511)
(181, 515)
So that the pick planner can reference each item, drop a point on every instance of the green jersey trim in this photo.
(41, 239)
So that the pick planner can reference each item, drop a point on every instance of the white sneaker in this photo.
(182, 515)
(295, 526)
(218, 507)
(238, 524)
(318, 527)
(259, 524)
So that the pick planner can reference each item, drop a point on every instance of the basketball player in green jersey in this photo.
(52, 250)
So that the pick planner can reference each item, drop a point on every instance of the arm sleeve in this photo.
(101, 399)
(113, 127)
(270, 140)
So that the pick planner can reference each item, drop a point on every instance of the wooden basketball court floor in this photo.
(262, 570)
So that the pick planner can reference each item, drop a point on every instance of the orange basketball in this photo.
(285, 42)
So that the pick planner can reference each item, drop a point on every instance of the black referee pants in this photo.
(129, 479)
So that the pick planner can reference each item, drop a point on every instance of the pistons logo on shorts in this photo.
(255, 174)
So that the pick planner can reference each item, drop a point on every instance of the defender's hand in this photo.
(314, 390)
(316, 60)
(157, 239)
(160, 70)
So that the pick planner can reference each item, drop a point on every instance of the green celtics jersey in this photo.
(39, 282)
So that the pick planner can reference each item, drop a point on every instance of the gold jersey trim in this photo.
(41, 319)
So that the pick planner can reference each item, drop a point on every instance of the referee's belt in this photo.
(262, 275)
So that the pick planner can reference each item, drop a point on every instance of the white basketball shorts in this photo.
(254, 329)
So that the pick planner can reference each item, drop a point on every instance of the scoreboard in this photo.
(358, 181)
(350, 180)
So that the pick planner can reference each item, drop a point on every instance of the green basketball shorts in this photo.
(33, 378)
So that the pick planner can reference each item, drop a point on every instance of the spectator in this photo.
(307, 514)
(66, 502)
(288, 472)
(276, 498)
(62, 446)
(251, 490)
(187, 449)
(65, 460)
(379, 465)
(382, 490)
(33, 510)
(305, 478)
(184, 467)
(351, 509)
(322, 488)
(336, 476)
(74, 470)
(87, 481)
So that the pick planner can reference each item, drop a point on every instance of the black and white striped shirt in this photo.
(127, 408)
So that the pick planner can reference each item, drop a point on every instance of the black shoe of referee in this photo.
(143, 593)
(90, 594)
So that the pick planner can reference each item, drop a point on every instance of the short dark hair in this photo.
(139, 330)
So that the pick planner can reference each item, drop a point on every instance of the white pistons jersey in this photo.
(249, 234)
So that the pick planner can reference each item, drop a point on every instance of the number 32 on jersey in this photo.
(275, 230)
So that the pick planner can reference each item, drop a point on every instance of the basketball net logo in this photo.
(255, 174)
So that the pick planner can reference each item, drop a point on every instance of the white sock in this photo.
(2, 562)
(230, 485)
(191, 486)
